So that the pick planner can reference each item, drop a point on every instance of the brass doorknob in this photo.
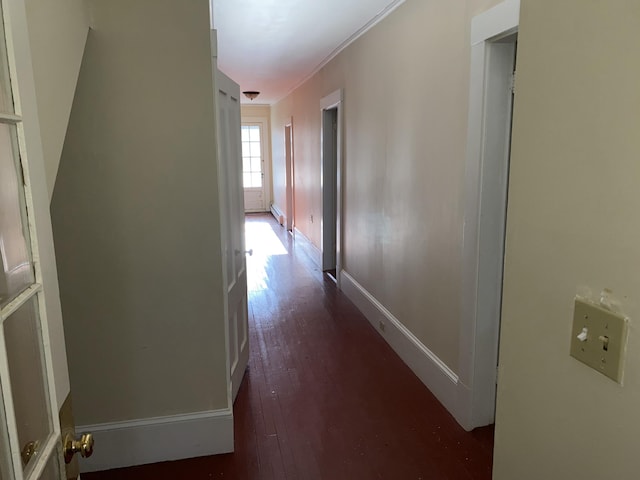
(82, 445)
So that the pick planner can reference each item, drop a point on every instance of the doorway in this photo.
(255, 165)
(329, 184)
(493, 55)
(289, 177)
(331, 173)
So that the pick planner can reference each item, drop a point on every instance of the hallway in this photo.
(324, 396)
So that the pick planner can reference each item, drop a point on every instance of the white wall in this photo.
(406, 84)
(136, 219)
(57, 35)
(573, 224)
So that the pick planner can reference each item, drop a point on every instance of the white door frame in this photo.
(265, 151)
(333, 100)
(486, 182)
(289, 174)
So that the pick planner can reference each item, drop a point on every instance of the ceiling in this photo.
(273, 46)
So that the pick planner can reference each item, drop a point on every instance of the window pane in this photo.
(255, 149)
(246, 152)
(254, 133)
(245, 134)
(17, 271)
(246, 180)
(6, 97)
(255, 165)
(246, 164)
(28, 382)
(257, 179)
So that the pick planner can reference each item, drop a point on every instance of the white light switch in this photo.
(598, 338)
(583, 335)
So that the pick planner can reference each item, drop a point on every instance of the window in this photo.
(251, 156)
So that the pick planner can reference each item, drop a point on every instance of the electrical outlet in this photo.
(598, 338)
(311, 217)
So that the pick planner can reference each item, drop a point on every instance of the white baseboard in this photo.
(137, 442)
(278, 214)
(306, 245)
(432, 371)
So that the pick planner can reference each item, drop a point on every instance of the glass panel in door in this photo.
(5, 461)
(251, 156)
(28, 382)
(253, 167)
(17, 270)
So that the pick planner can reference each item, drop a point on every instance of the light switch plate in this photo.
(606, 336)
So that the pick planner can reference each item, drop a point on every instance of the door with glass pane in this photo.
(30, 445)
(253, 171)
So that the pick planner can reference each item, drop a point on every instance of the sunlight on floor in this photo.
(265, 243)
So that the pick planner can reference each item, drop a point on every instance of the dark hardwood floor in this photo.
(324, 396)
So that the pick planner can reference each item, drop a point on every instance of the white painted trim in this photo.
(485, 180)
(290, 176)
(430, 369)
(307, 245)
(278, 214)
(15, 304)
(265, 144)
(333, 100)
(213, 34)
(355, 36)
(150, 440)
(10, 118)
(501, 20)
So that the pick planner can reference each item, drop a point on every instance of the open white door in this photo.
(232, 224)
(33, 369)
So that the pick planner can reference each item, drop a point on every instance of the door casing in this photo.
(290, 176)
(265, 146)
(486, 183)
(331, 181)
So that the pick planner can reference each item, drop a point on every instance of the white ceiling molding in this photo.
(356, 35)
